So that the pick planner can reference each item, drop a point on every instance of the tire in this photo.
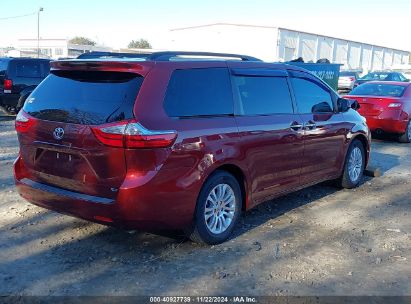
(355, 157)
(21, 102)
(218, 186)
(406, 137)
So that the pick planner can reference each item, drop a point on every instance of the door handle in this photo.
(310, 125)
(295, 126)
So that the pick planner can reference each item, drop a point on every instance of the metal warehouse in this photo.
(281, 44)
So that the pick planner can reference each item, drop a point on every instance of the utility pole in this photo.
(38, 31)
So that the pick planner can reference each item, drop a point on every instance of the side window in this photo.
(395, 77)
(46, 68)
(402, 77)
(263, 95)
(312, 96)
(3, 68)
(29, 69)
(199, 92)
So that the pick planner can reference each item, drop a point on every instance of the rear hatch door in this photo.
(61, 149)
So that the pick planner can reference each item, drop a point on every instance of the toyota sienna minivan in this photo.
(181, 140)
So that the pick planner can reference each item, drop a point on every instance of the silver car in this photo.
(346, 80)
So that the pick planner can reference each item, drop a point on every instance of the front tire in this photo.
(406, 137)
(354, 165)
(218, 209)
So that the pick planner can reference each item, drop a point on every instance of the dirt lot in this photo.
(319, 241)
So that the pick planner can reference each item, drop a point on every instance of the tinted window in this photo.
(376, 89)
(199, 92)
(45, 65)
(312, 96)
(344, 74)
(3, 66)
(29, 69)
(402, 77)
(263, 95)
(85, 97)
(375, 76)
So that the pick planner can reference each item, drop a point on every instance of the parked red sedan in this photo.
(386, 106)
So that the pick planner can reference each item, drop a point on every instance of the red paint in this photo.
(154, 182)
(380, 115)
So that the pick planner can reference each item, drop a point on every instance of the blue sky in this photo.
(115, 23)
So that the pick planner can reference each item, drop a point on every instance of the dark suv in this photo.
(179, 142)
(18, 78)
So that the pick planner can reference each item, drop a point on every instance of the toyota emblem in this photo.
(58, 133)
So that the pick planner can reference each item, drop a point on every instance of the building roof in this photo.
(287, 29)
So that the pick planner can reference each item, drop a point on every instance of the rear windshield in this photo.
(377, 89)
(3, 66)
(347, 74)
(26, 68)
(81, 97)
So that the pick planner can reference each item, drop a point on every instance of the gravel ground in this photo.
(318, 241)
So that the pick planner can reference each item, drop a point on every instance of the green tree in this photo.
(139, 44)
(82, 41)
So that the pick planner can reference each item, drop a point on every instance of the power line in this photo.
(15, 17)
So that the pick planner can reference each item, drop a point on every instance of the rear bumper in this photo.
(142, 206)
(345, 86)
(387, 124)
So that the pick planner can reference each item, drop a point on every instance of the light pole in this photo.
(38, 31)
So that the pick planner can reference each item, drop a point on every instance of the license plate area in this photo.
(59, 163)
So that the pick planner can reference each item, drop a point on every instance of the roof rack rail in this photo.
(98, 54)
(167, 55)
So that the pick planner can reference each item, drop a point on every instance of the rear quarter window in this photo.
(199, 92)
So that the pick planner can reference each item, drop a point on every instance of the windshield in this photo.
(377, 89)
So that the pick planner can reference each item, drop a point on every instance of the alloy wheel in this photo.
(220, 208)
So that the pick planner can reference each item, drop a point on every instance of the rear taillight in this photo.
(131, 134)
(24, 122)
(395, 105)
(7, 85)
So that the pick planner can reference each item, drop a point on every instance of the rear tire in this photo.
(406, 137)
(354, 165)
(218, 209)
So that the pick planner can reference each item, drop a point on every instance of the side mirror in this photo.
(345, 104)
(354, 104)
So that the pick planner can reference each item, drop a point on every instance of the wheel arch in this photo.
(240, 176)
(363, 139)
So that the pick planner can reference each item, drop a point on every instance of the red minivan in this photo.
(182, 140)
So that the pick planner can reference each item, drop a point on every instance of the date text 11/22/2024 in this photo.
(238, 299)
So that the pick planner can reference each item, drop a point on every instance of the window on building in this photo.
(58, 51)
(289, 53)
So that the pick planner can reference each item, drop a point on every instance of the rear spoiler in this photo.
(138, 67)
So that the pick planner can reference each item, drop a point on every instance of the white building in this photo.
(54, 48)
(280, 44)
